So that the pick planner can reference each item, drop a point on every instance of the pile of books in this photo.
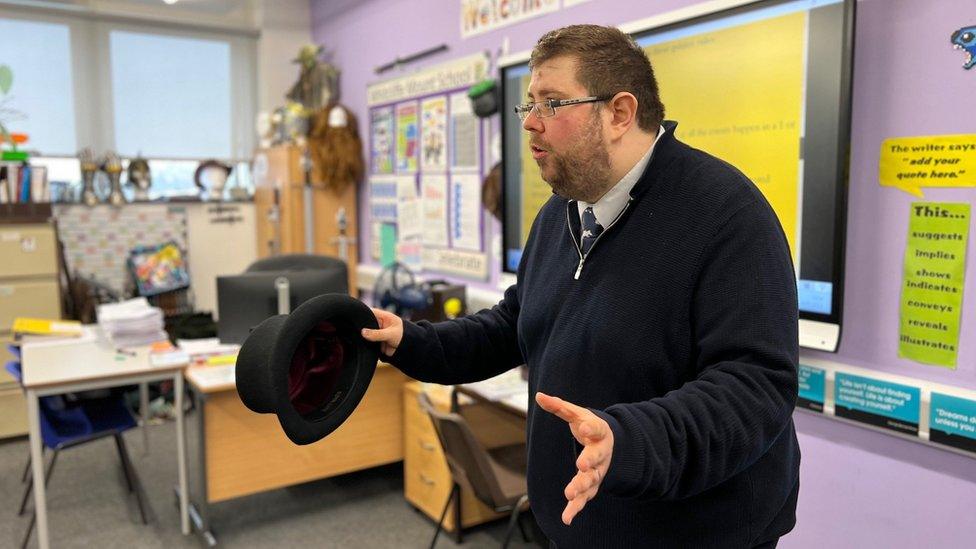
(131, 323)
(22, 183)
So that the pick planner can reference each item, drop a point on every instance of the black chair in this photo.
(296, 262)
(496, 477)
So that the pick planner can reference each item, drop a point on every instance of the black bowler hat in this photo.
(311, 367)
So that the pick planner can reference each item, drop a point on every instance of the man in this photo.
(656, 310)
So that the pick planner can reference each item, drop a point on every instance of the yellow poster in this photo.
(747, 108)
(910, 163)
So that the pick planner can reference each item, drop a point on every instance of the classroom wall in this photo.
(860, 488)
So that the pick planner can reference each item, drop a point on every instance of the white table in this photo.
(507, 391)
(64, 366)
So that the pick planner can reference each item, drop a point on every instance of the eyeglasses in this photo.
(547, 108)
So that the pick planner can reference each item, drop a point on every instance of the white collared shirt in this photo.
(609, 206)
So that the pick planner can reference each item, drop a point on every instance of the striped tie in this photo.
(591, 230)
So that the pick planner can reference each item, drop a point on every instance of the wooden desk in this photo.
(57, 367)
(236, 452)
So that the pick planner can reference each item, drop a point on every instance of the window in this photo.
(40, 102)
(175, 94)
(171, 96)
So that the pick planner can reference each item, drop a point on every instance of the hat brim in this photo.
(279, 339)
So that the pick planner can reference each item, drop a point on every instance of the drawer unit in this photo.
(28, 250)
(38, 298)
(13, 412)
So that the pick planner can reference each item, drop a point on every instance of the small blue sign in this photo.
(952, 421)
(812, 393)
(891, 405)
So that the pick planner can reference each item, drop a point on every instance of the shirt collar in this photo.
(612, 203)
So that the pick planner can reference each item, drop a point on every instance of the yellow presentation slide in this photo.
(737, 93)
(535, 191)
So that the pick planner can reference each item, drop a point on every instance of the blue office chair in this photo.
(64, 427)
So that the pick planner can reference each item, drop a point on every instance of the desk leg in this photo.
(37, 466)
(144, 410)
(181, 452)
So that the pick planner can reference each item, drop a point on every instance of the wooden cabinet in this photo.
(28, 287)
(279, 200)
(426, 478)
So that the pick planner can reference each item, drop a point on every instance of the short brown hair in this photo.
(609, 62)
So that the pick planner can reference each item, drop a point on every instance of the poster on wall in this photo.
(811, 388)
(465, 138)
(933, 282)
(912, 163)
(465, 216)
(381, 140)
(410, 254)
(879, 403)
(408, 209)
(952, 421)
(479, 16)
(383, 198)
(433, 189)
(407, 137)
(433, 134)
(375, 228)
(458, 262)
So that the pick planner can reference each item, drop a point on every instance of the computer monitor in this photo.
(245, 300)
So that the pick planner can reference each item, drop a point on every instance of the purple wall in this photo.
(860, 488)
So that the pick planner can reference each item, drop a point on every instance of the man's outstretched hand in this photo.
(593, 462)
(389, 333)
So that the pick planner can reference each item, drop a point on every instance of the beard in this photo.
(582, 171)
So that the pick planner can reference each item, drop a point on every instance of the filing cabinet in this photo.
(28, 287)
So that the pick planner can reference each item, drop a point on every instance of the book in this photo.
(25, 185)
(45, 326)
(38, 184)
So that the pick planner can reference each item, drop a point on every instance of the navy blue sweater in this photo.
(680, 331)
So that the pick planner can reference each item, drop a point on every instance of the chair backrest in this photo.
(465, 456)
(295, 262)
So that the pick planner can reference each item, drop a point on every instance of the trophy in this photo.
(139, 178)
(88, 170)
(113, 168)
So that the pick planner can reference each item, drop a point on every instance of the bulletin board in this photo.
(426, 163)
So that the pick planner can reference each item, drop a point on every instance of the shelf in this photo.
(31, 212)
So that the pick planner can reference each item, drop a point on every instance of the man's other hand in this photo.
(389, 333)
(593, 462)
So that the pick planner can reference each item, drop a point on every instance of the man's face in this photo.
(568, 147)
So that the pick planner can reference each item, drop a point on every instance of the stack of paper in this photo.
(210, 346)
(501, 387)
(131, 323)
